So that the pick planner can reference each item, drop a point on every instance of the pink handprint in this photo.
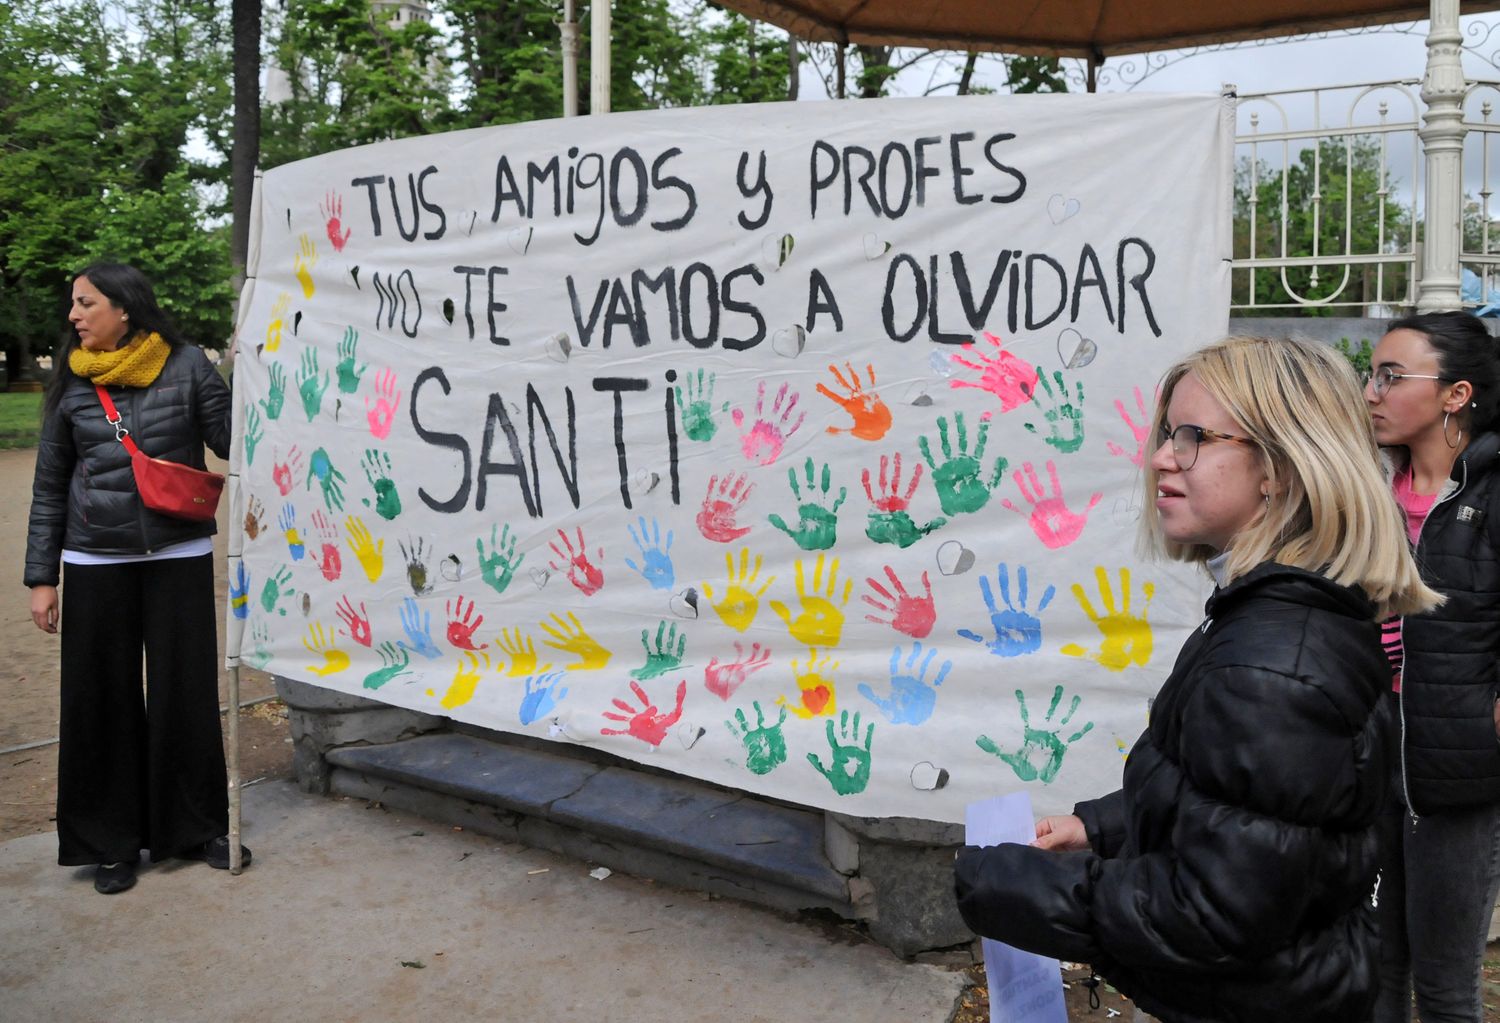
(383, 412)
(763, 440)
(285, 474)
(1051, 520)
(726, 496)
(723, 679)
(330, 561)
(356, 623)
(1141, 430)
(332, 209)
(582, 573)
(461, 625)
(1006, 376)
(891, 499)
(647, 724)
(903, 611)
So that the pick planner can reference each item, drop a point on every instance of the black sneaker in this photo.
(113, 878)
(215, 852)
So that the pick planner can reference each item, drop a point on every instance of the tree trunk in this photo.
(967, 78)
(245, 152)
(794, 67)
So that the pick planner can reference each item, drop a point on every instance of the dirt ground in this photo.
(29, 680)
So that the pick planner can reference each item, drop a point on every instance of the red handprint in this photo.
(914, 616)
(726, 496)
(1051, 520)
(332, 209)
(330, 561)
(647, 724)
(1006, 376)
(383, 412)
(1140, 430)
(357, 624)
(461, 624)
(723, 679)
(872, 417)
(763, 439)
(285, 474)
(581, 572)
(891, 499)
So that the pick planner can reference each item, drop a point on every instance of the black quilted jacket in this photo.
(84, 496)
(1452, 671)
(1230, 877)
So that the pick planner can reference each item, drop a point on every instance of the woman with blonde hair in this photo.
(1231, 876)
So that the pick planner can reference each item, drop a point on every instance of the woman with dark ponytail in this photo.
(131, 774)
(1434, 399)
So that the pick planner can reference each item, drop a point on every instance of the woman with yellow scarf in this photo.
(133, 774)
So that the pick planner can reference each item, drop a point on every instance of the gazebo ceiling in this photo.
(1074, 28)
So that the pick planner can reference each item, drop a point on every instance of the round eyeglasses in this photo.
(1187, 438)
(1384, 377)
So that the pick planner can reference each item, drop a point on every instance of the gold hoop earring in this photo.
(1454, 442)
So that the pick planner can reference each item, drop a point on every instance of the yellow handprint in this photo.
(572, 639)
(741, 601)
(1127, 639)
(522, 653)
(820, 622)
(320, 641)
(465, 679)
(371, 555)
(814, 685)
(303, 262)
(278, 321)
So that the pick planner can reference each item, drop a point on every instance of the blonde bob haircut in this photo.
(1330, 509)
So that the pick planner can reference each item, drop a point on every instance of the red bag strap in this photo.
(113, 418)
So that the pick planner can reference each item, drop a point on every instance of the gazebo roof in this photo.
(1074, 28)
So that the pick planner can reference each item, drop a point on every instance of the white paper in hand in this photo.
(1024, 987)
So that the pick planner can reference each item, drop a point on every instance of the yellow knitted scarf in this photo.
(134, 365)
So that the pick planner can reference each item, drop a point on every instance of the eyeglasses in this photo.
(1384, 377)
(1187, 438)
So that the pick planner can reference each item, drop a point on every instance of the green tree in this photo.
(1337, 201)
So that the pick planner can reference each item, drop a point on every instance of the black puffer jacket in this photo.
(84, 496)
(1230, 877)
(1452, 671)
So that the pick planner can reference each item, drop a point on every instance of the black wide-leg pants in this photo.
(137, 774)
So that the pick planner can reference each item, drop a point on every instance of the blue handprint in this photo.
(912, 697)
(1017, 630)
(287, 520)
(541, 696)
(239, 592)
(418, 626)
(656, 563)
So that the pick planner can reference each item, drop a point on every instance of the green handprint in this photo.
(253, 433)
(498, 567)
(377, 465)
(320, 467)
(395, 659)
(957, 481)
(273, 401)
(817, 525)
(765, 746)
(898, 528)
(664, 658)
(698, 406)
(349, 372)
(276, 588)
(1064, 419)
(849, 771)
(310, 385)
(261, 655)
(1035, 742)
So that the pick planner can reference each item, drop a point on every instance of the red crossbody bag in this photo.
(170, 488)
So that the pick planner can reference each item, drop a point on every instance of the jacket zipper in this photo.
(1401, 696)
(140, 505)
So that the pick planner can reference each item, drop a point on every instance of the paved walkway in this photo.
(355, 913)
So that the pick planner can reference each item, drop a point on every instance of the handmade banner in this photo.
(794, 447)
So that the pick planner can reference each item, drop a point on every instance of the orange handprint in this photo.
(872, 417)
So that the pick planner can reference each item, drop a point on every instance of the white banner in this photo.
(793, 447)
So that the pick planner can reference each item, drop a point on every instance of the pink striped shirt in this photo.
(1416, 507)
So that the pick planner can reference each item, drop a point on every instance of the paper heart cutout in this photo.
(448, 310)
(685, 603)
(1075, 350)
(689, 734)
(451, 568)
(776, 250)
(1060, 208)
(916, 394)
(643, 481)
(941, 364)
(540, 577)
(928, 777)
(953, 558)
(788, 342)
(874, 247)
(559, 347)
(519, 240)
